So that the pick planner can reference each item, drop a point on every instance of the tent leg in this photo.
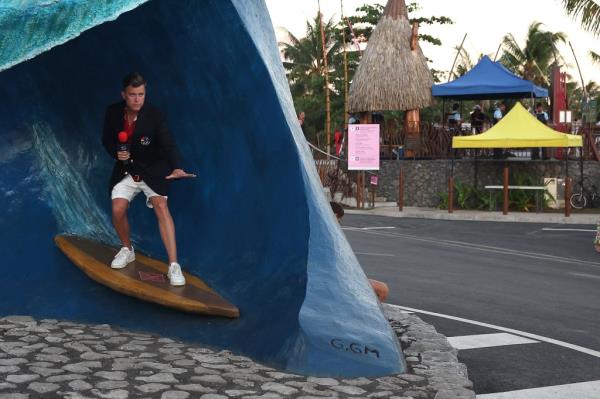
(451, 186)
(505, 190)
(567, 186)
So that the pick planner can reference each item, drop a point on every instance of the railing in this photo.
(344, 186)
(435, 142)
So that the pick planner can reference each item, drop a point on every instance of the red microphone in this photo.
(124, 145)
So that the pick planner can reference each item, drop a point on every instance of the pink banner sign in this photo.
(363, 147)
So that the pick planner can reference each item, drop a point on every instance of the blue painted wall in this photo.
(254, 225)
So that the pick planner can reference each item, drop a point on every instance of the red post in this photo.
(505, 191)
(567, 197)
(401, 190)
(451, 194)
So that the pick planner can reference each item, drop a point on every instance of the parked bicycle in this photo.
(585, 198)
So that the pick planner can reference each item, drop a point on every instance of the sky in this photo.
(485, 23)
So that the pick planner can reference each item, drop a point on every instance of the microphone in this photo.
(124, 145)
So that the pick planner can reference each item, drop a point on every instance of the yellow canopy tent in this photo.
(518, 129)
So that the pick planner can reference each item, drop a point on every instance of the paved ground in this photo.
(538, 279)
(57, 359)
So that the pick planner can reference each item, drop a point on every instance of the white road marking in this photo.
(487, 248)
(487, 341)
(584, 230)
(581, 390)
(368, 228)
(584, 275)
(536, 337)
(375, 254)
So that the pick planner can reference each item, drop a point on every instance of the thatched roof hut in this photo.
(392, 76)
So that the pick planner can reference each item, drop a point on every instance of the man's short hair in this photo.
(133, 79)
(337, 209)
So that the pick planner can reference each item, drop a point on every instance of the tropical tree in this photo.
(586, 10)
(595, 57)
(303, 61)
(533, 61)
(306, 74)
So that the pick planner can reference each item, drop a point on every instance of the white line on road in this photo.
(369, 228)
(580, 390)
(487, 341)
(375, 254)
(584, 230)
(552, 341)
(487, 248)
(584, 275)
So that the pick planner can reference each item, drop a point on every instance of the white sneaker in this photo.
(124, 257)
(175, 275)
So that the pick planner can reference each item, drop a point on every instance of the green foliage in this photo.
(533, 61)
(306, 72)
(587, 10)
(469, 197)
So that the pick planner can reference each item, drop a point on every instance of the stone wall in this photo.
(424, 180)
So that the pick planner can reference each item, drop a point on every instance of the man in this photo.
(498, 114)
(478, 118)
(136, 135)
(541, 116)
(454, 119)
(301, 118)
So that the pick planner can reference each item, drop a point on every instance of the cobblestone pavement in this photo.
(58, 359)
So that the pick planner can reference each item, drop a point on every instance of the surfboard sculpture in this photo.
(145, 278)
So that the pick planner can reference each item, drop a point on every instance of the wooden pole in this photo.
(451, 186)
(346, 115)
(326, 73)
(505, 191)
(401, 189)
(456, 58)
(451, 194)
(567, 187)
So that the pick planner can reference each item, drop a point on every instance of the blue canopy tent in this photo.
(486, 81)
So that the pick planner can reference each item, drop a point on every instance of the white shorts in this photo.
(128, 189)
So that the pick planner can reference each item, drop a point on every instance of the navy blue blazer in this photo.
(154, 154)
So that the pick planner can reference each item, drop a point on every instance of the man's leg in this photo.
(119, 219)
(165, 226)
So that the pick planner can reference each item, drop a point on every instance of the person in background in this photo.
(301, 118)
(478, 118)
(381, 289)
(454, 119)
(498, 114)
(337, 138)
(541, 116)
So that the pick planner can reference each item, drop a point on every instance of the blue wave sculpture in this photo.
(254, 225)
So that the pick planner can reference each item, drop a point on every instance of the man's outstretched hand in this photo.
(180, 174)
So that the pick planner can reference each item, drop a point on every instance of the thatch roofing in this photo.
(391, 76)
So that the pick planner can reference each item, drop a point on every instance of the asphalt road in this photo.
(519, 276)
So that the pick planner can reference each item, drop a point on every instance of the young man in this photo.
(381, 289)
(136, 135)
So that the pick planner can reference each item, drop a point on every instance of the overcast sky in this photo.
(484, 22)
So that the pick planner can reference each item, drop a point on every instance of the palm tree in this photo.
(305, 68)
(595, 57)
(533, 61)
(587, 10)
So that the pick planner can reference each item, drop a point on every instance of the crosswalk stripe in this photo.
(580, 390)
(487, 341)
(552, 341)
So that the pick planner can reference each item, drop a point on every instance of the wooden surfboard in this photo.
(145, 278)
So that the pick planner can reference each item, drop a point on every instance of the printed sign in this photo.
(374, 180)
(363, 147)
